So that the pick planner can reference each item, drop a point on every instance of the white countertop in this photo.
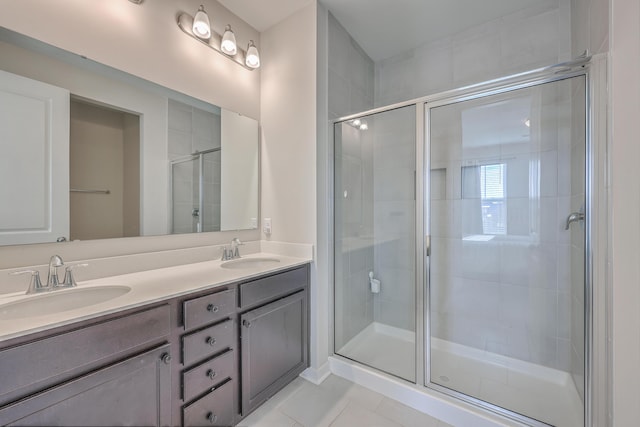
(146, 287)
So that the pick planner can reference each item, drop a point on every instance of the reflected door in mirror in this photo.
(34, 141)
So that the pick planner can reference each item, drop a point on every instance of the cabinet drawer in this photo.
(208, 309)
(31, 367)
(214, 409)
(207, 342)
(272, 287)
(206, 375)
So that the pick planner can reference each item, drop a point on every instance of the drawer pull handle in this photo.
(211, 417)
(165, 358)
(211, 374)
(211, 341)
(213, 308)
(246, 323)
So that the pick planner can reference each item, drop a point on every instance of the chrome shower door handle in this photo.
(574, 217)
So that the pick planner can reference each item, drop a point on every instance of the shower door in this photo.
(375, 239)
(506, 282)
(195, 192)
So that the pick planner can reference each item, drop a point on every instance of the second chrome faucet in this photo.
(232, 252)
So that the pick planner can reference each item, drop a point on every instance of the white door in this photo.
(34, 161)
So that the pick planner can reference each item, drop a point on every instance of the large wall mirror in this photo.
(90, 152)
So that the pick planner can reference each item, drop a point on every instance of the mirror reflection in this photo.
(90, 152)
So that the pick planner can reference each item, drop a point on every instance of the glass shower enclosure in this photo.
(375, 164)
(472, 280)
(196, 192)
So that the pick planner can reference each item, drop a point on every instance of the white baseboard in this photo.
(419, 398)
(316, 376)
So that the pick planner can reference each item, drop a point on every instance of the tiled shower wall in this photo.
(377, 223)
(191, 130)
(351, 91)
(394, 164)
(535, 37)
(353, 232)
(529, 39)
(351, 74)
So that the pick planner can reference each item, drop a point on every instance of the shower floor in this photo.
(386, 348)
(542, 393)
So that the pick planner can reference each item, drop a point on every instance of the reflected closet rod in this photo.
(75, 190)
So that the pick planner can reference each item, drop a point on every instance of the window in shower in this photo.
(487, 184)
(506, 280)
(374, 241)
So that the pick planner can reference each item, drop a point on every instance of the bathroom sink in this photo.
(59, 301)
(250, 263)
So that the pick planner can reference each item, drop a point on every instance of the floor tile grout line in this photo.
(341, 412)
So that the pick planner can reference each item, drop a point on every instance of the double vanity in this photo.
(196, 344)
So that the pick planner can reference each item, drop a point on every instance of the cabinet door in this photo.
(134, 392)
(274, 348)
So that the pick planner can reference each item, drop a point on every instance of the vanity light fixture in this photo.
(253, 58)
(199, 28)
(228, 44)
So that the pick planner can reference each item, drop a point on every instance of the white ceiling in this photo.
(263, 14)
(384, 28)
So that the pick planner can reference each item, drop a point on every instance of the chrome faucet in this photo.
(234, 247)
(52, 280)
(229, 253)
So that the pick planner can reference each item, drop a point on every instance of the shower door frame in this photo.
(595, 166)
(453, 98)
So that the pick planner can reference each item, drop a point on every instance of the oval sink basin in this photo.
(59, 301)
(250, 263)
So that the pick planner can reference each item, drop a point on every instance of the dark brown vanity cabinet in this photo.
(205, 359)
(115, 372)
(235, 356)
(273, 335)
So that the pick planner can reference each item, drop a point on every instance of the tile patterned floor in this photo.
(335, 403)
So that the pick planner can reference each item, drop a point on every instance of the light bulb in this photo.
(253, 58)
(364, 126)
(201, 26)
(356, 122)
(228, 44)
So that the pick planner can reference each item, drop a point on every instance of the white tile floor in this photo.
(336, 403)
